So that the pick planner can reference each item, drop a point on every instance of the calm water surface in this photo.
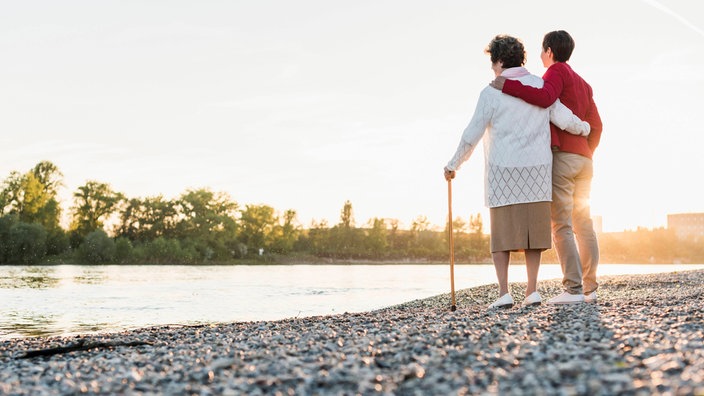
(70, 299)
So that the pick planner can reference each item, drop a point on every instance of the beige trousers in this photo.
(571, 185)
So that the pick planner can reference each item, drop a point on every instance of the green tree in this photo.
(420, 224)
(458, 228)
(147, 219)
(94, 202)
(97, 248)
(346, 241)
(57, 241)
(26, 243)
(123, 250)
(315, 239)
(12, 194)
(23, 195)
(209, 220)
(395, 237)
(49, 214)
(33, 198)
(203, 212)
(425, 243)
(347, 216)
(476, 225)
(51, 179)
(286, 233)
(49, 176)
(257, 226)
(473, 245)
(33, 195)
(6, 223)
(167, 251)
(376, 239)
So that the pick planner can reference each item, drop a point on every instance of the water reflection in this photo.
(82, 328)
(29, 278)
(91, 276)
(28, 324)
(34, 324)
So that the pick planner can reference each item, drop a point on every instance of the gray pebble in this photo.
(631, 342)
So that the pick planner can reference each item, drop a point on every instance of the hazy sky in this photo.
(305, 104)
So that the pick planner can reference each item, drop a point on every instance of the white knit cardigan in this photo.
(517, 154)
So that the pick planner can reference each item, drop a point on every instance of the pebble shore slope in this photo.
(644, 336)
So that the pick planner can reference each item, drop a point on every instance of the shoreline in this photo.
(518, 262)
(644, 336)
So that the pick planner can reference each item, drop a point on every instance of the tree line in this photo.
(205, 227)
(200, 226)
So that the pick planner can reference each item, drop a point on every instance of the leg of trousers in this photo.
(571, 185)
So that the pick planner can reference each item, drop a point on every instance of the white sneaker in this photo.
(532, 299)
(505, 301)
(590, 298)
(566, 298)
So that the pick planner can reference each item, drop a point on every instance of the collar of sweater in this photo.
(515, 72)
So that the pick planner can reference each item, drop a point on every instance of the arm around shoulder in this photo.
(543, 97)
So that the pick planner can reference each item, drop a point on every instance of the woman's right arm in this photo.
(475, 130)
(462, 154)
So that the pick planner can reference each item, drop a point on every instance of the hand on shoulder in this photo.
(498, 83)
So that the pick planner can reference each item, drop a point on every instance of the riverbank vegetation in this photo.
(205, 227)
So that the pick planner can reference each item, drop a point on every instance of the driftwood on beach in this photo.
(80, 345)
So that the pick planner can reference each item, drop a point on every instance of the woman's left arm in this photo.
(565, 119)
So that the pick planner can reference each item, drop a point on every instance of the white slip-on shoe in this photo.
(590, 298)
(566, 298)
(532, 299)
(505, 301)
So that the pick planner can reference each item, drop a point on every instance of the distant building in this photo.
(598, 222)
(686, 225)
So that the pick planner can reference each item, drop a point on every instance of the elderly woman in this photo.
(518, 166)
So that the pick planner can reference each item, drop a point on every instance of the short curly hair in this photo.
(509, 50)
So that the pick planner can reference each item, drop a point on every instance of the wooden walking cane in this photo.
(453, 307)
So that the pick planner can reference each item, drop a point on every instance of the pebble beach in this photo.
(644, 336)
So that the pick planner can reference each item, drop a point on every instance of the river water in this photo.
(75, 299)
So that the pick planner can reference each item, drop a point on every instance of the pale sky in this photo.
(306, 104)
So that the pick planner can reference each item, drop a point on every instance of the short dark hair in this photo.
(508, 50)
(561, 44)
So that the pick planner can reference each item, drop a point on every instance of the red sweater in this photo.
(563, 83)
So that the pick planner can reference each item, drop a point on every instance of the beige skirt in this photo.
(521, 226)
